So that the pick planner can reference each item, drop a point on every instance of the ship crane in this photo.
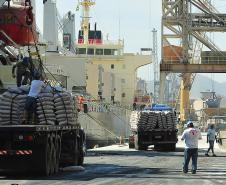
(180, 23)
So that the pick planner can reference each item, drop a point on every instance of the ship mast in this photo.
(86, 4)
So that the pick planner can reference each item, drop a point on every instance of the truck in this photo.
(38, 147)
(156, 126)
(54, 138)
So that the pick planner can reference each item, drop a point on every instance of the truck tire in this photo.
(75, 153)
(53, 158)
(131, 145)
(81, 158)
(58, 152)
(53, 154)
(46, 166)
(41, 156)
(81, 148)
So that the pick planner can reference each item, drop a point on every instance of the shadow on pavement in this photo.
(150, 153)
(97, 171)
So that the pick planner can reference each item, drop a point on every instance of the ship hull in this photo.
(103, 128)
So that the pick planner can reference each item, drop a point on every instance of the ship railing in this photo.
(116, 56)
(121, 112)
(104, 42)
(113, 42)
(102, 128)
(205, 59)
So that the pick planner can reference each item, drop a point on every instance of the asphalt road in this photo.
(121, 165)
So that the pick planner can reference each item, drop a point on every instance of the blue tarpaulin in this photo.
(159, 107)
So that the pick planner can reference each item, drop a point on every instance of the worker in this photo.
(134, 106)
(23, 72)
(211, 136)
(85, 105)
(1, 84)
(30, 105)
(81, 100)
(191, 136)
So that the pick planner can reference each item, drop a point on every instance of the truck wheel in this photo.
(47, 158)
(82, 148)
(58, 151)
(81, 158)
(53, 155)
(75, 154)
(41, 157)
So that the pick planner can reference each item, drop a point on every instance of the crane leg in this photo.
(162, 87)
(184, 97)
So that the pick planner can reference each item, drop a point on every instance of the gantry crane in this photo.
(180, 28)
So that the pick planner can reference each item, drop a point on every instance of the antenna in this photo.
(119, 23)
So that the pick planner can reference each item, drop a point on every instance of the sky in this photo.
(131, 20)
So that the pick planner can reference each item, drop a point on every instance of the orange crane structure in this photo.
(183, 31)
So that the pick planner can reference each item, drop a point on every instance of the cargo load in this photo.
(153, 126)
(53, 139)
(53, 107)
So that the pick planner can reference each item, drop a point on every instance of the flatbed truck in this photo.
(161, 138)
(41, 148)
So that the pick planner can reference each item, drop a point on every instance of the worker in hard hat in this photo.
(191, 136)
(23, 71)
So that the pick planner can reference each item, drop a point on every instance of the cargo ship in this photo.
(93, 68)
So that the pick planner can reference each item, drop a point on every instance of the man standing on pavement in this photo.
(211, 136)
(191, 137)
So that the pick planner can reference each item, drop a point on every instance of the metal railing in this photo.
(121, 112)
(118, 43)
(204, 60)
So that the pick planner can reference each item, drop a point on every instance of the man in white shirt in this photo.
(191, 137)
(211, 136)
(35, 89)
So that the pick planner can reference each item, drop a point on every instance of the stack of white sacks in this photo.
(52, 108)
(65, 109)
(45, 109)
(11, 105)
(134, 118)
(156, 120)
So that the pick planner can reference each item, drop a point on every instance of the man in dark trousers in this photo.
(23, 72)
(191, 137)
(211, 136)
(30, 106)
